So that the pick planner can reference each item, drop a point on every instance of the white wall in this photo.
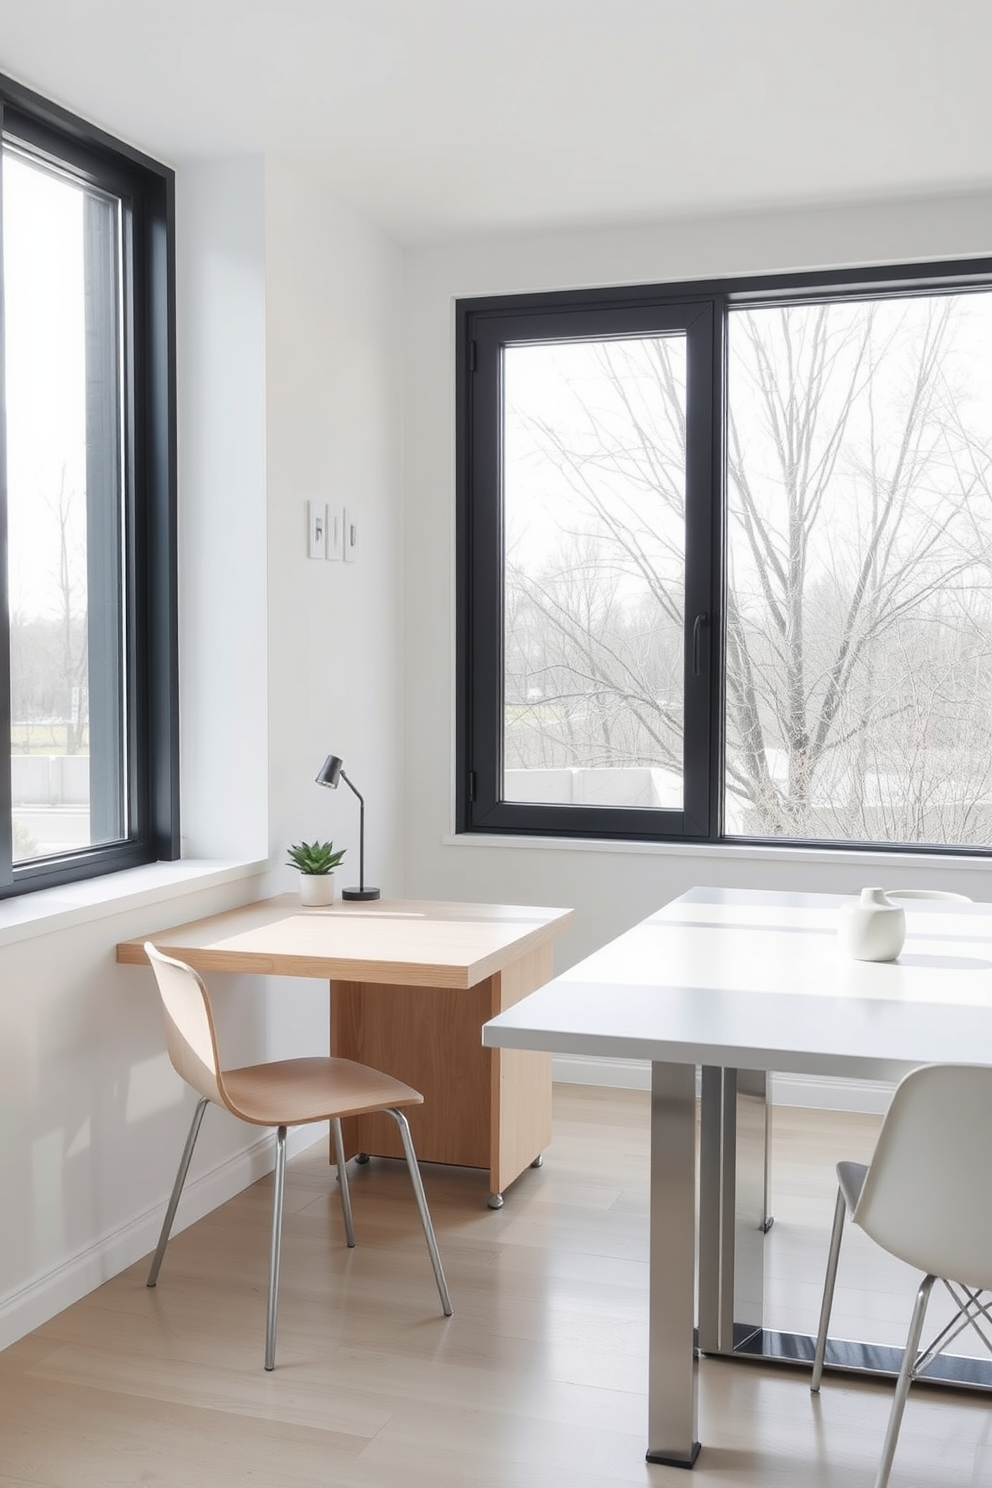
(612, 887)
(221, 389)
(288, 387)
(334, 420)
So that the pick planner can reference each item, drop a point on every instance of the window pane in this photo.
(594, 512)
(63, 380)
(859, 620)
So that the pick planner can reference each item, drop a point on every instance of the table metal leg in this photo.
(672, 1383)
(732, 1208)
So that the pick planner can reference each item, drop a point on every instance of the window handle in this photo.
(701, 621)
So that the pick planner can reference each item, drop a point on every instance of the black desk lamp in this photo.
(330, 772)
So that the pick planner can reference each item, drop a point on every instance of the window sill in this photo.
(91, 899)
(735, 851)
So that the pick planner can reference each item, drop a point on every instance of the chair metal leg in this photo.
(836, 1235)
(425, 1217)
(349, 1228)
(177, 1188)
(906, 1375)
(274, 1252)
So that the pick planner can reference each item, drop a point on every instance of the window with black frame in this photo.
(87, 621)
(725, 556)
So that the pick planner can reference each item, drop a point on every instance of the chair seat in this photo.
(291, 1092)
(851, 1179)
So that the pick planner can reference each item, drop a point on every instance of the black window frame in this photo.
(483, 327)
(149, 566)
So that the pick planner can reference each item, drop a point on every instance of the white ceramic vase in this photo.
(316, 888)
(874, 929)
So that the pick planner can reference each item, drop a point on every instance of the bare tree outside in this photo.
(858, 613)
(595, 565)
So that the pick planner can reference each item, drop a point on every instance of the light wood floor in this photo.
(538, 1381)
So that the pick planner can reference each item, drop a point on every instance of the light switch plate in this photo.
(316, 529)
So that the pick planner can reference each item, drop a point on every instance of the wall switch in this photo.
(350, 536)
(335, 533)
(316, 529)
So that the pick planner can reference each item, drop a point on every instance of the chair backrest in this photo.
(927, 1197)
(189, 1024)
(927, 894)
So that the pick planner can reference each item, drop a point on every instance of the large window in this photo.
(87, 595)
(725, 561)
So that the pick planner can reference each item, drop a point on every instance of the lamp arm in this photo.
(352, 787)
(361, 831)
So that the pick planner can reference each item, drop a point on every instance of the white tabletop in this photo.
(756, 979)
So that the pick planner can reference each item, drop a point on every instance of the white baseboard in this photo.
(818, 1092)
(584, 1069)
(823, 1093)
(28, 1307)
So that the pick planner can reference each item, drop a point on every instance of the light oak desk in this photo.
(412, 983)
(741, 983)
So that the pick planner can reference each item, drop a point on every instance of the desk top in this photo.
(398, 941)
(755, 979)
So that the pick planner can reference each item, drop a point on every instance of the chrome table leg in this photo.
(672, 1369)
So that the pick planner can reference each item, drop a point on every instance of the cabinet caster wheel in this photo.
(538, 1161)
(495, 1201)
(362, 1158)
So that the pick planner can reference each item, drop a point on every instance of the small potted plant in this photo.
(316, 862)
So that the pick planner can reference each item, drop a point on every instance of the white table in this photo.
(744, 982)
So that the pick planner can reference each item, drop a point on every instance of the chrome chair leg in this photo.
(177, 1188)
(836, 1235)
(349, 1228)
(274, 1252)
(425, 1216)
(906, 1376)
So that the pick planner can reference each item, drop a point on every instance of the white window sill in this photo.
(738, 851)
(91, 899)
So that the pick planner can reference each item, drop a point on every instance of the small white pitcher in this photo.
(874, 929)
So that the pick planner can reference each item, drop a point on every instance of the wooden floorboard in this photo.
(537, 1381)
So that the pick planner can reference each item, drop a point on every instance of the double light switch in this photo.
(332, 532)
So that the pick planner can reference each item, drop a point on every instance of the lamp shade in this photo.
(329, 773)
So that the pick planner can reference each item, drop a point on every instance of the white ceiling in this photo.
(438, 118)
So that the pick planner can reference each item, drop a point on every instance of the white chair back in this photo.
(927, 1196)
(189, 1025)
(927, 894)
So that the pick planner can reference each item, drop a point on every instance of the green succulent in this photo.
(314, 857)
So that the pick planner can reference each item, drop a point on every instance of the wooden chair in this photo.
(283, 1093)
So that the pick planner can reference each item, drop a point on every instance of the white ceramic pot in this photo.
(874, 929)
(316, 888)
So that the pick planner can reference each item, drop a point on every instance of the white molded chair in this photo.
(926, 1199)
(284, 1093)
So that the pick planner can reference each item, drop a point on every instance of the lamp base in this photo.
(359, 893)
